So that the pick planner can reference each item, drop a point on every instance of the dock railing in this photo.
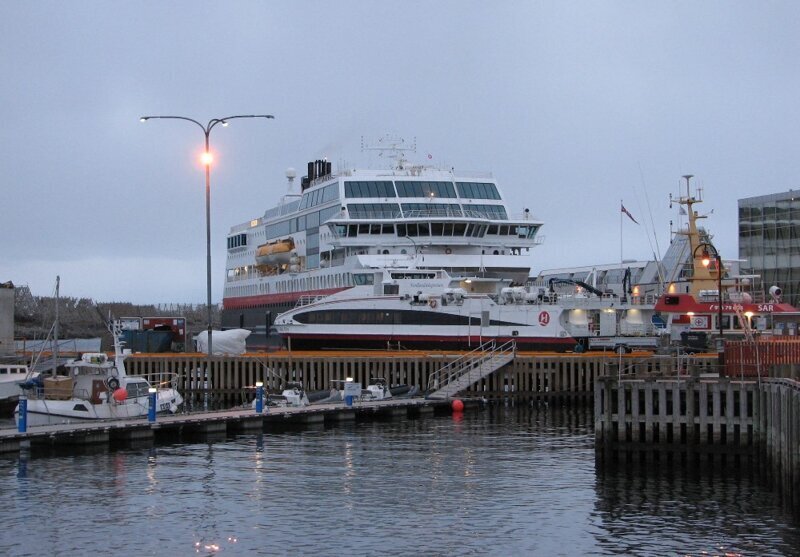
(457, 375)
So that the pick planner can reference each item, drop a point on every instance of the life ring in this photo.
(432, 302)
(448, 251)
(113, 383)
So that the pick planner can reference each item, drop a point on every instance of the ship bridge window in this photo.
(369, 189)
(373, 210)
(411, 210)
(477, 190)
(497, 212)
(362, 279)
(425, 189)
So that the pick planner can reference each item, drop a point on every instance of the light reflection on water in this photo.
(502, 481)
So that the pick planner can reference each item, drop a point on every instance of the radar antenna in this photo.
(391, 147)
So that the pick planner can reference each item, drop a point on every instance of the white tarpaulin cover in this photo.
(223, 342)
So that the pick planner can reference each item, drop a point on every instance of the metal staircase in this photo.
(470, 368)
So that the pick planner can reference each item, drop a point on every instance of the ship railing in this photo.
(307, 300)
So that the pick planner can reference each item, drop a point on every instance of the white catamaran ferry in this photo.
(412, 256)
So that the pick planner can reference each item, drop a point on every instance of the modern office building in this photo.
(769, 241)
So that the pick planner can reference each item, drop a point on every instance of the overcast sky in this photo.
(573, 106)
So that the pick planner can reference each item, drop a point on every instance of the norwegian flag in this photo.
(630, 216)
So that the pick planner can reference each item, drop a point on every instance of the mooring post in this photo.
(22, 423)
(151, 412)
(259, 397)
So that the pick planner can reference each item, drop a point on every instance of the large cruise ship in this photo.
(407, 257)
(344, 229)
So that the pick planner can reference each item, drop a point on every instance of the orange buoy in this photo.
(458, 406)
(120, 395)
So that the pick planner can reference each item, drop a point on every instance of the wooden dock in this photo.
(223, 422)
(224, 381)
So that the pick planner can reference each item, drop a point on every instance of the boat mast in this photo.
(55, 330)
(702, 277)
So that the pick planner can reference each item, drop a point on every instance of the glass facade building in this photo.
(769, 241)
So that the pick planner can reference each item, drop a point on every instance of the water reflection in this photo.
(507, 480)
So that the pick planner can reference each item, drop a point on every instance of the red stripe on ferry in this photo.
(264, 299)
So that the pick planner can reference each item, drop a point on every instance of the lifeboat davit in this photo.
(275, 253)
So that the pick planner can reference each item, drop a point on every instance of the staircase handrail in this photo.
(464, 364)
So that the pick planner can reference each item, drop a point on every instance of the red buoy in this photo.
(458, 406)
(120, 395)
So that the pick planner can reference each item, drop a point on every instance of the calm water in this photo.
(502, 481)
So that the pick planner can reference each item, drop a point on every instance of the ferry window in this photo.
(487, 211)
(369, 189)
(425, 189)
(437, 228)
(363, 229)
(477, 190)
(328, 213)
(375, 229)
(503, 231)
(301, 223)
(312, 220)
(388, 229)
(424, 229)
(352, 230)
(374, 210)
(278, 229)
(401, 230)
(411, 230)
(448, 229)
(459, 228)
(360, 279)
(469, 229)
(391, 289)
(330, 193)
(492, 229)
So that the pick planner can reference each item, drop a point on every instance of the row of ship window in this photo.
(400, 188)
(435, 229)
(466, 190)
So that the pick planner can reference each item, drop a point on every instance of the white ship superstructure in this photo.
(411, 217)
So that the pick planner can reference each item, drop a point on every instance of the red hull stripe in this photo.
(687, 303)
(428, 338)
(282, 298)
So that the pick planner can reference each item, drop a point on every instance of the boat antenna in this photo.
(392, 147)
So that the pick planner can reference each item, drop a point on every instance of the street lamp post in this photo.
(207, 158)
(709, 252)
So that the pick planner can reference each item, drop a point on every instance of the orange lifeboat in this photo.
(275, 253)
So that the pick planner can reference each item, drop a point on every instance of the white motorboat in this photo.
(11, 376)
(94, 388)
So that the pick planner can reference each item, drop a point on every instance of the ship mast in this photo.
(703, 277)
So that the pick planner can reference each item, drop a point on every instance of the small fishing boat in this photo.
(94, 388)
